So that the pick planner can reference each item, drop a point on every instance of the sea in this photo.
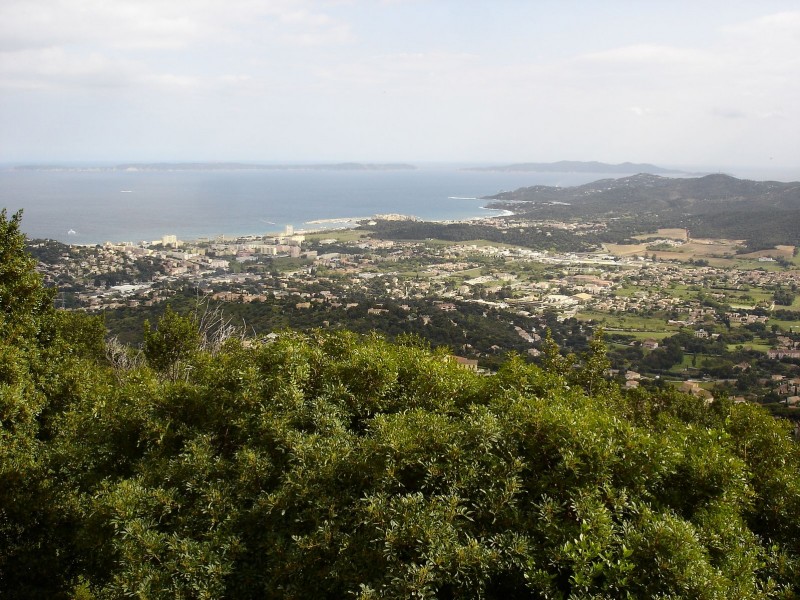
(95, 206)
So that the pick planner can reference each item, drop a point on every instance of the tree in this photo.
(49, 361)
(592, 374)
(24, 302)
(783, 297)
(174, 340)
(552, 359)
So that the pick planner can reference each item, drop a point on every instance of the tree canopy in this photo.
(328, 465)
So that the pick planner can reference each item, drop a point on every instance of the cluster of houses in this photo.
(786, 348)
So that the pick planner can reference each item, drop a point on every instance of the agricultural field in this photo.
(713, 251)
(758, 345)
(666, 233)
(717, 252)
(786, 252)
(790, 326)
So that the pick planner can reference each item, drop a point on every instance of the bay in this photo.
(91, 207)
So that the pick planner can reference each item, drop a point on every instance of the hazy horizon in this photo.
(700, 85)
(739, 171)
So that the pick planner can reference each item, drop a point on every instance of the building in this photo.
(650, 344)
(783, 353)
(467, 363)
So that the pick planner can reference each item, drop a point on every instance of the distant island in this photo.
(228, 166)
(577, 166)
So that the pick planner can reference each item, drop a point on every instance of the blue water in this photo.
(193, 204)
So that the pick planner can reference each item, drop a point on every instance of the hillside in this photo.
(330, 465)
(762, 212)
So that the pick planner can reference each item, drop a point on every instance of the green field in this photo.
(785, 325)
(684, 292)
(460, 275)
(750, 264)
(688, 359)
(756, 294)
(759, 346)
(628, 291)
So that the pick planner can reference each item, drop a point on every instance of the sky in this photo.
(678, 83)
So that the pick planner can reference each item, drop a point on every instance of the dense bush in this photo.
(328, 465)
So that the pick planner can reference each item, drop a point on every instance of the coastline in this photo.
(93, 208)
(344, 223)
(300, 228)
(333, 224)
(318, 226)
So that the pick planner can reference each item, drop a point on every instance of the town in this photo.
(697, 314)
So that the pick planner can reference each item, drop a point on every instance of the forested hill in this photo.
(331, 465)
(762, 212)
(653, 192)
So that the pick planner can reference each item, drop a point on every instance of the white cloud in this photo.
(156, 24)
(54, 68)
(47, 44)
(343, 66)
(648, 54)
(640, 111)
(782, 24)
(404, 70)
(728, 113)
(308, 28)
(121, 24)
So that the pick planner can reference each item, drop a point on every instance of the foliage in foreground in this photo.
(335, 465)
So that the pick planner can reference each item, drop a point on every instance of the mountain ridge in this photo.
(763, 212)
